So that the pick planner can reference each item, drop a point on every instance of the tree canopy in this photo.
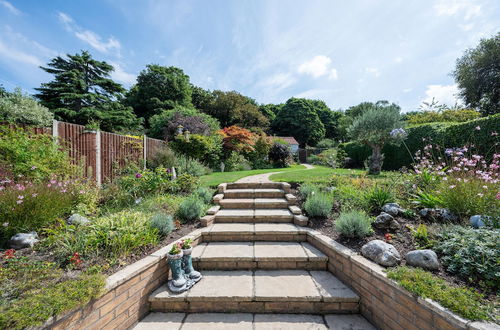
(477, 74)
(82, 91)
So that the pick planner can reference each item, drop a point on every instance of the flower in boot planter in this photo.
(179, 282)
(187, 261)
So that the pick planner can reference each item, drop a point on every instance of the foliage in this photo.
(191, 209)
(270, 110)
(159, 88)
(327, 157)
(472, 254)
(32, 156)
(82, 90)
(463, 301)
(164, 125)
(164, 223)
(259, 156)
(421, 237)
(428, 199)
(308, 189)
(204, 194)
(354, 224)
(206, 149)
(280, 155)
(330, 119)
(477, 74)
(20, 108)
(298, 118)
(326, 144)
(237, 139)
(378, 196)
(112, 236)
(373, 127)
(191, 166)
(164, 157)
(448, 115)
(235, 162)
(33, 291)
(318, 205)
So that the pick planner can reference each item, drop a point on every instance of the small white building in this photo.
(294, 145)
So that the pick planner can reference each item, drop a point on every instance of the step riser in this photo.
(309, 307)
(239, 237)
(255, 185)
(252, 205)
(230, 194)
(253, 265)
(253, 220)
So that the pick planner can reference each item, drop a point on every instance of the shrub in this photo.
(427, 199)
(308, 189)
(319, 205)
(33, 291)
(34, 157)
(164, 223)
(21, 108)
(205, 149)
(354, 224)
(204, 194)
(192, 208)
(186, 183)
(472, 254)
(191, 166)
(378, 196)
(463, 301)
(448, 115)
(421, 236)
(280, 155)
(236, 162)
(164, 157)
(327, 157)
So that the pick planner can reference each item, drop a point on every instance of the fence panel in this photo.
(152, 147)
(117, 151)
(81, 146)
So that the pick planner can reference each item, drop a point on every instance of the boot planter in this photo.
(179, 282)
(187, 266)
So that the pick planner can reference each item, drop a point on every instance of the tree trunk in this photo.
(375, 160)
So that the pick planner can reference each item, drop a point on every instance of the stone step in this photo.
(260, 291)
(254, 193)
(256, 185)
(254, 215)
(251, 232)
(258, 255)
(247, 321)
(250, 203)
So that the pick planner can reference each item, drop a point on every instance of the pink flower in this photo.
(452, 186)
(494, 133)
(33, 167)
(82, 191)
(49, 185)
(34, 195)
(20, 197)
(138, 175)
(498, 195)
(477, 128)
(19, 202)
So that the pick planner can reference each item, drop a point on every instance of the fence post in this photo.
(55, 130)
(144, 151)
(98, 169)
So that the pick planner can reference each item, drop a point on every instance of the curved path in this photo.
(265, 177)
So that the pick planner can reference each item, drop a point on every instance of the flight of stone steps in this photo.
(255, 261)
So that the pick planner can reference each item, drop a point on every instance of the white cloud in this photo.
(373, 71)
(468, 8)
(17, 55)
(398, 59)
(333, 74)
(120, 75)
(466, 27)
(90, 37)
(10, 7)
(444, 94)
(316, 67)
(407, 90)
(279, 81)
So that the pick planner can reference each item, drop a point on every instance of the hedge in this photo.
(444, 134)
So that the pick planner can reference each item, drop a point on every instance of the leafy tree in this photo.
(159, 88)
(329, 118)
(21, 108)
(299, 119)
(449, 115)
(477, 74)
(82, 91)
(270, 110)
(280, 155)
(235, 138)
(201, 98)
(373, 127)
(232, 108)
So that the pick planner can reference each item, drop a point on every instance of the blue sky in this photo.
(343, 52)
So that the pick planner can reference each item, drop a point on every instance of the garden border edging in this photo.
(125, 298)
(383, 301)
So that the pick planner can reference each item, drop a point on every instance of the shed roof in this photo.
(287, 139)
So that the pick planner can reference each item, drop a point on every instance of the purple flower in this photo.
(398, 133)
(138, 175)
(33, 167)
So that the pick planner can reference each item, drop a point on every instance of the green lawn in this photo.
(318, 174)
(215, 178)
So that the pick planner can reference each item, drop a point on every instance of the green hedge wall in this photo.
(444, 134)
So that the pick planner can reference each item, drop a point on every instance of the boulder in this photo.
(386, 221)
(23, 240)
(381, 252)
(441, 215)
(393, 209)
(426, 259)
(478, 221)
(77, 219)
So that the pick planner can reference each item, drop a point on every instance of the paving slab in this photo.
(162, 293)
(348, 322)
(198, 250)
(223, 285)
(218, 321)
(313, 253)
(271, 228)
(295, 209)
(288, 322)
(332, 289)
(233, 228)
(235, 213)
(220, 251)
(273, 213)
(161, 321)
(279, 251)
(285, 285)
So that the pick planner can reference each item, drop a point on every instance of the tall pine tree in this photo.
(82, 91)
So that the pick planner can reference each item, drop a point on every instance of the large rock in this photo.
(426, 259)
(77, 219)
(440, 215)
(23, 240)
(478, 221)
(393, 209)
(386, 221)
(381, 252)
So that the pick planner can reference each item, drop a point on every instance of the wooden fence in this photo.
(101, 154)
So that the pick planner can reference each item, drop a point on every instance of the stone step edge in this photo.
(254, 185)
(297, 219)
